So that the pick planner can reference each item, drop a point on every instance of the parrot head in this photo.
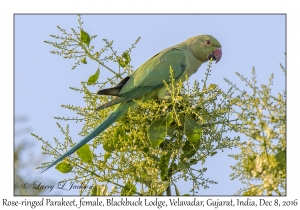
(205, 47)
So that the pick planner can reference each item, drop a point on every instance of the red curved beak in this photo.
(217, 54)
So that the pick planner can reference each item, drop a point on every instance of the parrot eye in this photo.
(208, 42)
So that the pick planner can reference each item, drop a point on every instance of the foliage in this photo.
(194, 122)
(261, 165)
(76, 45)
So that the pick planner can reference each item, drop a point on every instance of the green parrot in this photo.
(147, 81)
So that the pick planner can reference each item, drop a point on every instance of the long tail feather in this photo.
(113, 117)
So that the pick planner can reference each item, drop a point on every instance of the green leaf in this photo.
(93, 79)
(83, 60)
(177, 191)
(94, 190)
(186, 195)
(163, 166)
(212, 86)
(259, 164)
(128, 189)
(213, 153)
(108, 147)
(281, 159)
(183, 165)
(157, 132)
(192, 130)
(85, 37)
(99, 190)
(169, 118)
(64, 167)
(193, 161)
(85, 153)
(126, 56)
(124, 59)
(189, 149)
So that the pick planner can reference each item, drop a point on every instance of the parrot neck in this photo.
(193, 64)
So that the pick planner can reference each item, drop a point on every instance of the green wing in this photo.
(151, 75)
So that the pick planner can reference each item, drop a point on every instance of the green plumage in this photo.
(148, 80)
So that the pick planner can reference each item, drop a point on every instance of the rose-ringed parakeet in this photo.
(147, 81)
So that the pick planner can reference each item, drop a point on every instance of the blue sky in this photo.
(42, 80)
